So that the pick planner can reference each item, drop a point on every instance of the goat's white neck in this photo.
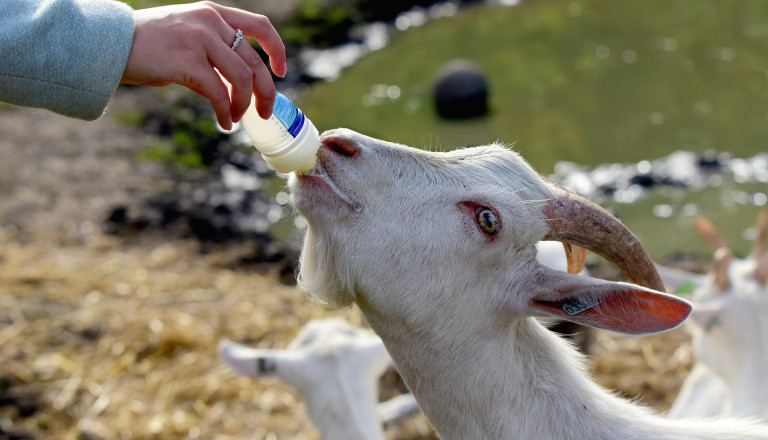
(496, 384)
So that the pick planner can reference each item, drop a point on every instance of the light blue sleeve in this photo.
(64, 55)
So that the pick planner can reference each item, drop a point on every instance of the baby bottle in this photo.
(288, 140)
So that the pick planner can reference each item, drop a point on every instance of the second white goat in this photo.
(336, 367)
(438, 251)
(729, 327)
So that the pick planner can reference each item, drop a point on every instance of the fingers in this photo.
(260, 28)
(259, 81)
(237, 72)
(191, 45)
(247, 74)
(208, 83)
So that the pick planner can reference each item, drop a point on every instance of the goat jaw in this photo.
(575, 220)
(320, 173)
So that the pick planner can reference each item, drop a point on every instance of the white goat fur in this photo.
(388, 231)
(729, 327)
(343, 347)
(336, 368)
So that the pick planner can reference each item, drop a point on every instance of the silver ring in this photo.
(238, 39)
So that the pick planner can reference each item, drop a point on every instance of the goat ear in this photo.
(251, 362)
(620, 307)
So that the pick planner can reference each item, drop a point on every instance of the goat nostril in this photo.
(342, 147)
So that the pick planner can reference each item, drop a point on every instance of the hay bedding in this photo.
(115, 341)
(112, 340)
(107, 338)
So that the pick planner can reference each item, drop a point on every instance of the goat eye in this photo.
(487, 220)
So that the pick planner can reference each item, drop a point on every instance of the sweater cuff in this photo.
(67, 56)
(105, 64)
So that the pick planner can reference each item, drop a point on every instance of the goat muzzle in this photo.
(575, 220)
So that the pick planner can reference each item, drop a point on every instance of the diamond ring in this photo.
(238, 38)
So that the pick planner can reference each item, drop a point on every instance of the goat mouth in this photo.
(319, 173)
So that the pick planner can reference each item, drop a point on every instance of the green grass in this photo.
(168, 152)
(589, 82)
(663, 237)
(130, 117)
(561, 86)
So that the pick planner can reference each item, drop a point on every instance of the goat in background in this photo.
(729, 327)
(336, 367)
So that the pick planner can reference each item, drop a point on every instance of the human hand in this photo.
(183, 44)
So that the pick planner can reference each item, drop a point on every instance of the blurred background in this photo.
(132, 244)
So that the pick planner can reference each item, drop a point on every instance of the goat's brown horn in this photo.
(761, 270)
(574, 219)
(710, 234)
(758, 249)
(576, 256)
(722, 260)
(723, 254)
(758, 245)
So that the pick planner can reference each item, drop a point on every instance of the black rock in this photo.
(460, 91)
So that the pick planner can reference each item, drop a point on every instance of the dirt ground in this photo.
(115, 338)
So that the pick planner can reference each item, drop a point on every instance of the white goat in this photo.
(729, 326)
(438, 251)
(336, 367)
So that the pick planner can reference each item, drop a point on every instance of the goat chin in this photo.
(439, 254)
(319, 274)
